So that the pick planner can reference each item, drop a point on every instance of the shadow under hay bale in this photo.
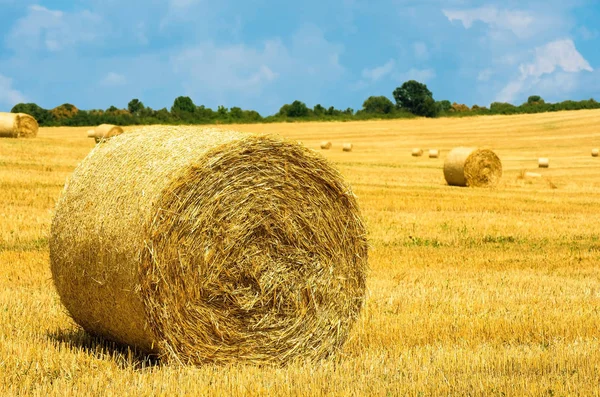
(210, 246)
(104, 131)
(18, 125)
(543, 162)
(472, 167)
(125, 356)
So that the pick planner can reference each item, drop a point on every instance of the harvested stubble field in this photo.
(471, 291)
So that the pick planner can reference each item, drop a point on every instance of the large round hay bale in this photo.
(416, 152)
(434, 153)
(18, 125)
(474, 167)
(347, 147)
(595, 152)
(543, 162)
(210, 246)
(326, 145)
(105, 131)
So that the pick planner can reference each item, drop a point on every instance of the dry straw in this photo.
(105, 131)
(434, 153)
(416, 152)
(326, 145)
(595, 152)
(18, 125)
(543, 162)
(210, 246)
(472, 167)
(347, 147)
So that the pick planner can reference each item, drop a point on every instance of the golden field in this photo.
(470, 291)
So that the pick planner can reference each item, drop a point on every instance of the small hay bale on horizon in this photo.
(326, 145)
(203, 247)
(18, 125)
(467, 166)
(104, 131)
(347, 147)
(543, 162)
(434, 153)
(595, 152)
(416, 152)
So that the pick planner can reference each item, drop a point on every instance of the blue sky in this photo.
(261, 54)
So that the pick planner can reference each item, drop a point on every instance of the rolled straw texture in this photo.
(326, 145)
(18, 125)
(105, 131)
(472, 167)
(595, 152)
(434, 153)
(417, 152)
(543, 162)
(347, 147)
(210, 246)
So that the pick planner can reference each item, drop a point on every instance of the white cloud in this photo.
(113, 79)
(379, 72)
(421, 51)
(308, 63)
(588, 34)
(9, 96)
(51, 30)
(420, 75)
(519, 22)
(559, 55)
(485, 75)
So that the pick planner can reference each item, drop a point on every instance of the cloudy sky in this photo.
(261, 54)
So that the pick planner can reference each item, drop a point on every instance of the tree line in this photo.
(412, 99)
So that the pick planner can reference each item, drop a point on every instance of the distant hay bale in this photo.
(105, 131)
(326, 145)
(18, 125)
(416, 152)
(210, 246)
(595, 152)
(91, 134)
(434, 153)
(472, 167)
(543, 162)
(347, 147)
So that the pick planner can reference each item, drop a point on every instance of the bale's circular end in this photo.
(543, 162)
(18, 125)
(104, 132)
(249, 249)
(326, 145)
(472, 167)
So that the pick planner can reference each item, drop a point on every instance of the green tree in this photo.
(183, 104)
(135, 106)
(443, 106)
(319, 110)
(416, 98)
(535, 99)
(42, 115)
(236, 113)
(378, 104)
(295, 109)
